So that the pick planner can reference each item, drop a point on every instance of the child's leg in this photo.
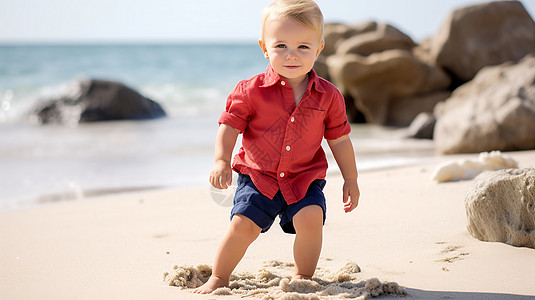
(308, 223)
(241, 234)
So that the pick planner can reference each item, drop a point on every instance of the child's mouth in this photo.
(292, 67)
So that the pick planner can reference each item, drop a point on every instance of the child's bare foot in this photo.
(211, 285)
(300, 276)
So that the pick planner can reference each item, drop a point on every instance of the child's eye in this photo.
(280, 46)
(304, 47)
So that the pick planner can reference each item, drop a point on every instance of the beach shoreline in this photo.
(407, 229)
(48, 164)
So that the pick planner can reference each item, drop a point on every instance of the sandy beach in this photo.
(407, 229)
(102, 205)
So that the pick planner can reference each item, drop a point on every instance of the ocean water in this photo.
(42, 164)
(186, 78)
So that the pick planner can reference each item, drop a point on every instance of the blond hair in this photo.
(305, 12)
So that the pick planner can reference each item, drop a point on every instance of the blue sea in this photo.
(43, 164)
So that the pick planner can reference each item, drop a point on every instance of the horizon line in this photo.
(133, 42)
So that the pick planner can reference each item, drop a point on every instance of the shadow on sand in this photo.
(421, 294)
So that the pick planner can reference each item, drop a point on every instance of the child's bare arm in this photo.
(342, 149)
(221, 175)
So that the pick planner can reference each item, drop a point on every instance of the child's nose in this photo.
(292, 55)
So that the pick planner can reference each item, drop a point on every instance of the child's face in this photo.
(291, 48)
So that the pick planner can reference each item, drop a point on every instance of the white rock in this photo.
(468, 169)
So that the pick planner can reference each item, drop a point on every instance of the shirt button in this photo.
(283, 83)
(281, 174)
(288, 148)
(292, 119)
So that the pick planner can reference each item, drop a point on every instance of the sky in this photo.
(125, 21)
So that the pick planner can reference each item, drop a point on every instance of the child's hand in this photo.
(221, 175)
(351, 194)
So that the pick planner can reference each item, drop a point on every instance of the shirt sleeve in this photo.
(336, 123)
(237, 110)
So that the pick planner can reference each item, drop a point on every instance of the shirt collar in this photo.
(271, 78)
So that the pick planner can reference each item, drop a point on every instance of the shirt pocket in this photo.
(311, 124)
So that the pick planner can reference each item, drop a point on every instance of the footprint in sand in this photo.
(451, 254)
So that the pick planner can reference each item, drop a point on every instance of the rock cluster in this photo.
(375, 68)
(386, 78)
(500, 207)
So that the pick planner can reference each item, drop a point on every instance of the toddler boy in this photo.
(283, 114)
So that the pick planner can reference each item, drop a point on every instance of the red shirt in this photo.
(281, 145)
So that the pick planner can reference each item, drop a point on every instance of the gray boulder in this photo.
(96, 100)
(482, 35)
(494, 111)
(500, 207)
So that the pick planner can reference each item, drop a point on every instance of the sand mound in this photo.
(188, 277)
(266, 284)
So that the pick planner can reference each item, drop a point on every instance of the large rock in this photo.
(372, 81)
(97, 100)
(403, 111)
(335, 33)
(500, 207)
(494, 111)
(383, 37)
(481, 35)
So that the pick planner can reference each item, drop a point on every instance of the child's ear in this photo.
(320, 48)
(264, 49)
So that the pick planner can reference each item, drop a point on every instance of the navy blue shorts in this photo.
(248, 201)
